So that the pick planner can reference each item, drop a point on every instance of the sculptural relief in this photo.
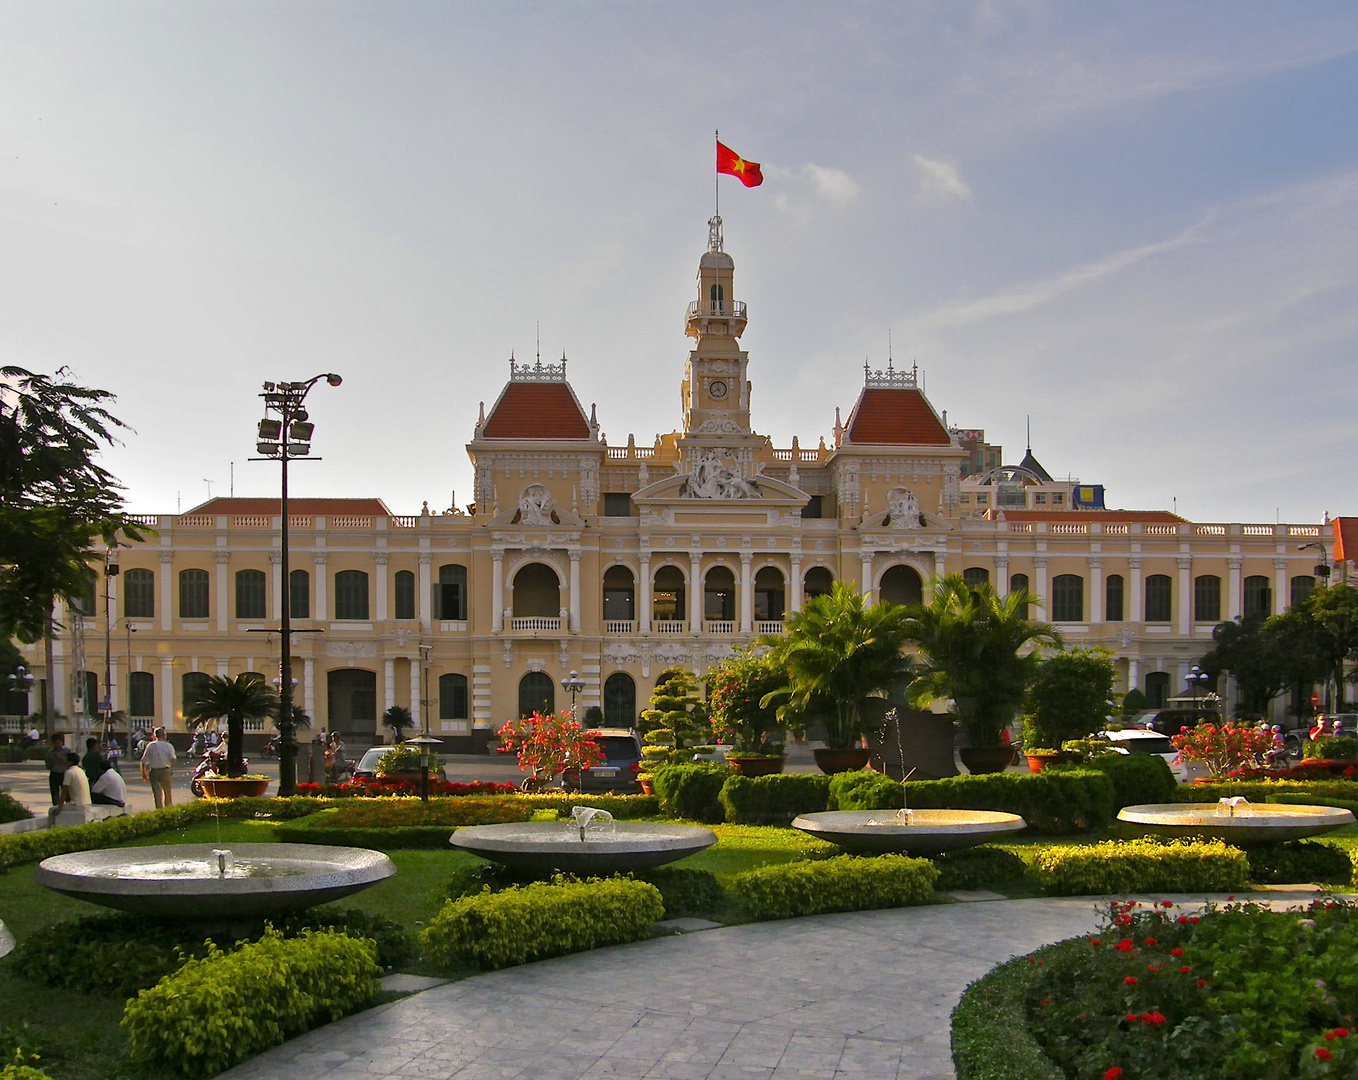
(710, 479)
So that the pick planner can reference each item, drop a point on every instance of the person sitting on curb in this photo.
(75, 786)
(109, 789)
(93, 763)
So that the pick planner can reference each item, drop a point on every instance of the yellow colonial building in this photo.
(620, 561)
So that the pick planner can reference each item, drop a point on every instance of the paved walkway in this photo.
(861, 996)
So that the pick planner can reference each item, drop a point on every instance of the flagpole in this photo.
(716, 177)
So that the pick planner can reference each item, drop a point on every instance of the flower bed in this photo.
(1240, 992)
(379, 788)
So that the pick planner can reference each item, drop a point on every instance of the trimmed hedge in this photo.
(1344, 748)
(1260, 790)
(685, 892)
(532, 922)
(692, 792)
(773, 800)
(990, 1036)
(217, 1011)
(22, 1072)
(1296, 799)
(1137, 778)
(1299, 861)
(1135, 866)
(1053, 802)
(843, 883)
(983, 867)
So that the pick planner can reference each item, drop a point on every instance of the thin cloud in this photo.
(832, 185)
(938, 183)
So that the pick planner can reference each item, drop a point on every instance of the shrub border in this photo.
(990, 1036)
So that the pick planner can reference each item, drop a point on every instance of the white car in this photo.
(1143, 741)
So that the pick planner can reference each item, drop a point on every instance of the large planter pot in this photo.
(1039, 761)
(987, 759)
(647, 788)
(233, 788)
(850, 759)
(755, 765)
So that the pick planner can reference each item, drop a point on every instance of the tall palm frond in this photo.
(245, 697)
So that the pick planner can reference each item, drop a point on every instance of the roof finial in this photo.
(888, 348)
(1029, 421)
(539, 326)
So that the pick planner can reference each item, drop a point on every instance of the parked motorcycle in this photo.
(270, 748)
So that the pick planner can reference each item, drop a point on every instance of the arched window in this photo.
(193, 594)
(1207, 598)
(1017, 582)
(717, 296)
(450, 594)
(452, 697)
(536, 694)
(619, 595)
(139, 594)
(719, 595)
(1157, 689)
(191, 685)
(351, 595)
(403, 595)
(1159, 598)
(537, 592)
(141, 694)
(251, 593)
(768, 595)
(668, 596)
(817, 582)
(299, 594)
(976, 575)
(1258, 597)
(351, 701)
(1068, 598)
(1113, 598)
(902, 585)
(1301, 588)
(620, 700)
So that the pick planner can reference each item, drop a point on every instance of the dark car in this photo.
(1171, 720)
(616, 772)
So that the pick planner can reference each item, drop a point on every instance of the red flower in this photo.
(1185, 970)
(1337, 1033)
(1130, 980)
(1166, 904)
(1043, 1001)
(1150, 941)
(1125, 945)
(1093, 941)
(1202, 982)
(1322, 1054)
(1130, 1018)
(1176, 952)
(1112, 1074)
(1181, 919)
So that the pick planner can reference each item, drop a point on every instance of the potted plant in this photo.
(974, 643)
(551, 747)
(741, 696)
(236, 699)
(836, 654)
(246, 786)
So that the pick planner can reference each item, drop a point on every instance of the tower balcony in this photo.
(726, 318)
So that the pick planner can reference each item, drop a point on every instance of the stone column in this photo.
(380, 612)
(1095, 590)
(309, 693)
(276, 586)
(388, 685)
(940, 565)
(223, 666)
(320, 588)
(1280, 584)
(166, 691)
(1040, 611)
(224, 598)
(575, 591)
(795, 586)
(866, 585)
(1002, 577)
(1134, 592)
(415, 706)
(497, 589)
(746, 592)
(1185, 595)
(424, 591)
(1133, 673)
(166, 590)
(644, 596)
(695, 591)
(1235, 591)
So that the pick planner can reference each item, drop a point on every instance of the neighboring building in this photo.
(621, 561)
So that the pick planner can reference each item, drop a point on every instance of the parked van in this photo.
(1171, 720)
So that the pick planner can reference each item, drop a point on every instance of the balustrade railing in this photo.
(719, 626)
(769, 626)
(536, 622)
(619, 626)
(404, 521)
(670, 626)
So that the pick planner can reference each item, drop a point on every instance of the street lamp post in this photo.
(572, 684)
(287, 437)
(1322, 571)
(110, 571)
(1197, 679)
(19, 682)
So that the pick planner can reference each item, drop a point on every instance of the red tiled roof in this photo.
(895, 417)
(1081, 517)
(1345, 538)
(536, 410)
(320, 507)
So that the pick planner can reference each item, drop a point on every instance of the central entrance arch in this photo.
(351, 705)
(902, 585)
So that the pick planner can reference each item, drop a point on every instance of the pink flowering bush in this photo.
(1223, 747)
(549, 745)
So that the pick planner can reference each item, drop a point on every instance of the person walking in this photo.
(157, 763)
(56, 767)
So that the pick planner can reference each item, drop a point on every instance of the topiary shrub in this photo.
(533, 922)
(1331, 748)
(1132, 866)
(773, 800)
(216, 1011)
(686, 892)
(844, 883)
(1299, 861)
(1070, 697)
(863, 790)
(983, 867)
(691, 791)
(1137, 778)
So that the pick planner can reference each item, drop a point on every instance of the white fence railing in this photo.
(536, 622)
(619, 626)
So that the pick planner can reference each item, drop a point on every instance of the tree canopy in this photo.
(233, 699)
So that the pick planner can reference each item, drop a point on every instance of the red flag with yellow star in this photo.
(732, 164)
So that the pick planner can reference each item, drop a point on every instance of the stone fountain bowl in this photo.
(876, 832)
(1251, 824)
(181, 881)
(541, 846)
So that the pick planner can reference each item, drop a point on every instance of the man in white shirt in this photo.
(157, 761)
(75, 785)
(109, 789)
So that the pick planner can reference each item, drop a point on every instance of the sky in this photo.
(1133, 226)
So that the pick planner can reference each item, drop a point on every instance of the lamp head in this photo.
(333, 379)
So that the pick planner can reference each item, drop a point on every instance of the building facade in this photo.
(618, 561)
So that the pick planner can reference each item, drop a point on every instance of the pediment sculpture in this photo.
(902, 509)
(710, 479)
(536, 507)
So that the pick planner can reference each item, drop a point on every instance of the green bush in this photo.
(691, 791)
(11, 809)
(1137, 778)
(216, 1011)
(1330, 748)
(1299, 861)
(773, 800)
(401, 759)
(685, 892)
(1298, 799)
(844, 883)
(984, 867)
(622, 807)
(19, 1046)
(1259, 791)
(1070, 697)
(533, 922)
(1132, 866)
(22, 1072)
(863, 790)
(990, 1036)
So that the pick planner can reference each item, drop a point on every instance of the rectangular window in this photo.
(1207, 598)
(404, 596)
(139, 594)
(1040, 499)
(351, 595)
(1068, 598)
(814, 509)
(1258, 597)
(299, 594)
(141, 693)
(1301, 588)
(1058, 499)
(193, 594)
(1112, 607)
(450, 593)
(617, 504)
(1159, 598)
(452, 697)
(251, 592)
(982, 499)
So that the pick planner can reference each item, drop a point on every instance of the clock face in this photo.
(717, 389)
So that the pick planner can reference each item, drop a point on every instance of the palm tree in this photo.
(397, 718)
(245, 697)
(974, 646)
(840, 651)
